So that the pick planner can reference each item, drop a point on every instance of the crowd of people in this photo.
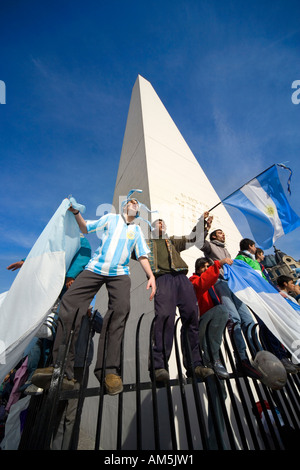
(206, 304)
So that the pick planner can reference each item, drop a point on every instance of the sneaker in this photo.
(202, 372)
(220, 370)
(162, 375)
(246, 368)
(113, 384)
(289, 366)
(42, 377)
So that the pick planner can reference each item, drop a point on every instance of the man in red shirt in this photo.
(213, 315)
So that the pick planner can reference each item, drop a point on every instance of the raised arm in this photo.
(79, 219)
(200, 231)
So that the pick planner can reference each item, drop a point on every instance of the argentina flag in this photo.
(280, 316)
(266, 208)
(37, 286)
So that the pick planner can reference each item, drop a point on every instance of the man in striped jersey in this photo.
(120, 238)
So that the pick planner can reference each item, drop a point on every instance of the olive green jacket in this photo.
(175, 246)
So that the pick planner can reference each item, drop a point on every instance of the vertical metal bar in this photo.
(52, 395)
(139, 439)
(75, 433)
(266, 414)
(220, 397)
(296, 381)
(293, 382)
(28, 439)
(169, 394)
(288, 407)
(120, 396)
(39, 433)
(258, 347)
(211, 395)
(290, 389)
(242, 398)
(153, 389)
(182, 392)
(235, 411)
(101, 391)
(198, 405)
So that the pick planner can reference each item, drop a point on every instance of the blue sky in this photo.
(223, 69)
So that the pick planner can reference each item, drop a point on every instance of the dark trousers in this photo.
(175, 291)
(78, 298)
(269, 341)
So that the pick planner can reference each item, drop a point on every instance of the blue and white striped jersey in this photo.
(118, 241)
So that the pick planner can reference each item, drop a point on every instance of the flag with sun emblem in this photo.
(266, 208)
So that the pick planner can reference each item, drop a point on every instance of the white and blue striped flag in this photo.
(265, 206)
(280, 316)
(37, 286)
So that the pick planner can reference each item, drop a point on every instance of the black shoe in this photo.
(289, 366)
(220, 370)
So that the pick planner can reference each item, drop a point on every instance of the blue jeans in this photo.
(239, 314)
(211, 327)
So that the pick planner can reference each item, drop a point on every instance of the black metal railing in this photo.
(214, 413)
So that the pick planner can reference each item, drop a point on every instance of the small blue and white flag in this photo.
(37, 286)
(280, 316)
(266, 208)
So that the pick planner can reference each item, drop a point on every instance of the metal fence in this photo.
(238, 413)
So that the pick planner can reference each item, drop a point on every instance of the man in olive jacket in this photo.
(173, 290)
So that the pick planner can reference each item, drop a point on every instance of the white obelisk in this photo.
(156, 159)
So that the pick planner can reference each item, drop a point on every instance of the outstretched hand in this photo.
(15, 266)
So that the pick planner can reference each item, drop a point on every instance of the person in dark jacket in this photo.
(173, 290)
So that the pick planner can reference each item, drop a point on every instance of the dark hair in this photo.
(282, 279)
(245, 243)
(259, 251)
(200, 262)
(157, 220)
(212, 235)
